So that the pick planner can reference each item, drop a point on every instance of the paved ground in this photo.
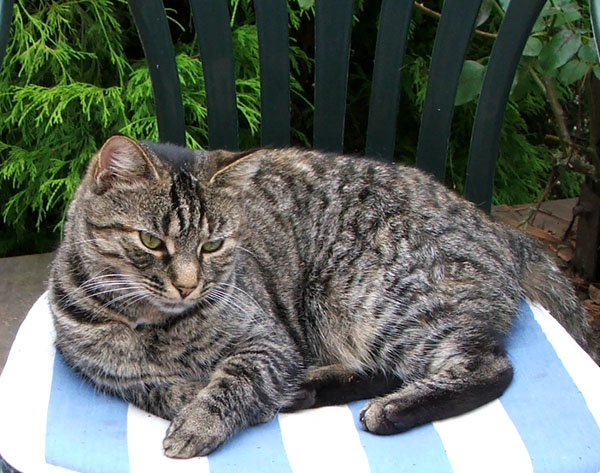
(23, 278)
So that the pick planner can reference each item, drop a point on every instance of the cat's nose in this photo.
(184, 272)
(185, 291)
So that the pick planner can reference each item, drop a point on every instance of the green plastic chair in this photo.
(333, 24)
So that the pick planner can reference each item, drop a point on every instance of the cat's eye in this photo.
(212, 245)
(150, 241)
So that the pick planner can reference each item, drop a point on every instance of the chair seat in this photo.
(547, 421)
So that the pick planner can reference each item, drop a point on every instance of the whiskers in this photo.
(239, 247)
(114, 290)
(232, 297)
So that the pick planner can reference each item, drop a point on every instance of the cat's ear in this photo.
(122, 161)
(231, 169)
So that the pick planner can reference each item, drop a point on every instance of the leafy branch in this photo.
(437, 15)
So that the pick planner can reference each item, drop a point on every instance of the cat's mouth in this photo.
(175, 304)
(177, 300)
(170, 306)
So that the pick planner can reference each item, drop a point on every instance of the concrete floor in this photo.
(23, 278)
(553, 218)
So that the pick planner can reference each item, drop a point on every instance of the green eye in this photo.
(212, 245)
(150, 241)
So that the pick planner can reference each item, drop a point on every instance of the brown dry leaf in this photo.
(565, 254)
(578, 281)
(594, 292)
(543, 235)
(506, 219)
(592, 308)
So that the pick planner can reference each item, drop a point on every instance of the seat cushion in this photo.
(547, 421)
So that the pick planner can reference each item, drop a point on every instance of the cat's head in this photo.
(156, 223)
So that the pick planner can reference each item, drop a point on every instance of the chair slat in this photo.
(394, 22)
(332, 53)
(153, 29)
(504, 59)
(273, 39)
(451, 41)
(211, 20)
(6, 12)
(595, 15)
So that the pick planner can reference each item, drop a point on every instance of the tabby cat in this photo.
(216, 289)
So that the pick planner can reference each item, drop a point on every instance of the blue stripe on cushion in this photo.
(545, 405)
(85, 430)
(418, 450)
(259, 448)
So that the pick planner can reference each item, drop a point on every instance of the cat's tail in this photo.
(543, 282)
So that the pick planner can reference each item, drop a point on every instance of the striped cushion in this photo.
(547, 421)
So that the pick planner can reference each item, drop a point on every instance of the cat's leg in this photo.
(163, 396)
(167, 400)
(336, 384)
(247, 388)
(462, 384)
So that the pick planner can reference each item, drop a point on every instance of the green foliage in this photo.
(552, 79)
(68, 84)
(470, 82)
(60, 90)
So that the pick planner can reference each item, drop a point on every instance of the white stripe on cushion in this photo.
(30, 367)
(473, 447)
(145, 434)
(323, 440)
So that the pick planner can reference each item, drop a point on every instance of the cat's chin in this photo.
(173, 307)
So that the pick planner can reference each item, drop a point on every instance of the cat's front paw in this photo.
(194, 433)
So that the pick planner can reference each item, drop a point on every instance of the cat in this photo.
(215, 289)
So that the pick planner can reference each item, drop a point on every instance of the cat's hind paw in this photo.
(383, 416)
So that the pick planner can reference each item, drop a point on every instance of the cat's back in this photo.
(335, 214)
(345, 184)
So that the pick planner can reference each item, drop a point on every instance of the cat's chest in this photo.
(159, 345)
(187, 349)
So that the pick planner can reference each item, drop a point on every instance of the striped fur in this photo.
(285, 279)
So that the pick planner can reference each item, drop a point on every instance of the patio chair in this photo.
(547, 421)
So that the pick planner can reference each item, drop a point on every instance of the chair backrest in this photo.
(5, 19)
(333, 27)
